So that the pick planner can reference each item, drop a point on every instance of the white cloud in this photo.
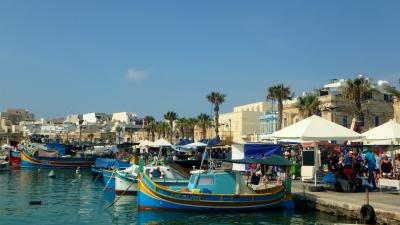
(135, 75)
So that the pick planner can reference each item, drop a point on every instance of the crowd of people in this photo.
(364, 168)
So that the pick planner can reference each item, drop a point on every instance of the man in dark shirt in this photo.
(333, 162)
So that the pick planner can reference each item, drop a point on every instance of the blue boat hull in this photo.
(109, 179)
(55, 162)
(96, 172)
(154, 196)
(147, 202)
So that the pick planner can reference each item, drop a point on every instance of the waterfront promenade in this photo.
(386, 205)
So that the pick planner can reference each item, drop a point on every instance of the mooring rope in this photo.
(119, 197)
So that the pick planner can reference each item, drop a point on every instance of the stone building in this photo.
(376, 110)
(240, 125)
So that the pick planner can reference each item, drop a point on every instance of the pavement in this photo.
(386, 204)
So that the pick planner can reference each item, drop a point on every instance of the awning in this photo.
(273, 160)
(315, 128)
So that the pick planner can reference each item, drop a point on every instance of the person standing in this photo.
(371, 163)
(378, 159)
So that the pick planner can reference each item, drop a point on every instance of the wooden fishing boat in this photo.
(126, 179)
(101, 164)
(32, 159)
(216, 191)
(15, 157)
(4, 165)
(108, 174)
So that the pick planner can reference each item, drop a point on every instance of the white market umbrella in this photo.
(145, 143)
(315, 128)
(161, 143)
(387, 131)
(194, 145)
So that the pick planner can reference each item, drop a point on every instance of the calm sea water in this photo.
(68, 199)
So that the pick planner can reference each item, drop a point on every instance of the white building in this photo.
(124, 117)
(74, 118)
(91, 118)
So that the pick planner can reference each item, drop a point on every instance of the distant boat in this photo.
(42, 158)
(217, 191)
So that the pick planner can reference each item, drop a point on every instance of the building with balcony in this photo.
(376, 110)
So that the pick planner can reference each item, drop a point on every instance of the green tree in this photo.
(181, 125)
(118, 130)
(192, 122)
(204, 122)
(308, 105)
(146, 124)
(152, 127)
(357, 90)
(91, 136)
(279, 93)
(217, 99)
(171, 117)
(164, 128)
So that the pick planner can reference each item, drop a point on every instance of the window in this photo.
(345, 121)
(206, 180)
(362, 120)
(376, 121)
(386, 97)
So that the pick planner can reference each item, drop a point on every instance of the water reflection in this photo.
(74, 199)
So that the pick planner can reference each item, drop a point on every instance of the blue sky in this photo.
(63, 57)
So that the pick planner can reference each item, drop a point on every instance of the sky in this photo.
(150, 57)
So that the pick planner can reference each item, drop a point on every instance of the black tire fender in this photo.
(367, 214)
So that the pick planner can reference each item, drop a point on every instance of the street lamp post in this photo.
(80, 130)
(230, 128)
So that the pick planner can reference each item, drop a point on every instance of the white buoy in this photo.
(77, 170)
(52, 174)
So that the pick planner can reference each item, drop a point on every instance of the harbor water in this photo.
(72, 198)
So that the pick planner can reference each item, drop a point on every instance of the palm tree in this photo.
(308, 105)
(217, 99)
(118, 129)
(357, 91)
(152, 127)
(91, 136)
(164, 128)
(158, 129)
(204, 122)
(279, 93)
(191, 124)
(80, 130)
(171, 117)
(130, 133)
(146, 122)
(181, 125)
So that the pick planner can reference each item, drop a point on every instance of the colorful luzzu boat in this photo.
(215, 191)
(109, 174)
(101, 164)
(126, 179)
(33, 160)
